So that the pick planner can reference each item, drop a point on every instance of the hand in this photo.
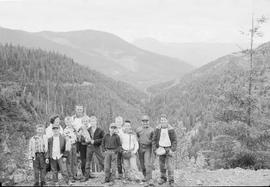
(170, 152)
(47, 161)
(92, 141)
(64, 159)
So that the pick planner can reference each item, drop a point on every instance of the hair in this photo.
(68, 118)
(85, 118)
(53, 118)
(127, 121)
(93, 118)
(79, 105)
(39, 126)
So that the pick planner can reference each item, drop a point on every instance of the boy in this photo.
(111, 146)
(37, 150)
(57, 154)
(165, 138)
(71, 147)
(119, 123)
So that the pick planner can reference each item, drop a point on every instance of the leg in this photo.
(114, 165)
(63, 169)
(126, 168)
(74, 160)
(148, 163)
(83, 149)
(54, 169)
(141, 158)
(162, 167)
(68, 163)
(89, 156)
(36, 171)
(100, 157)
(42, 168)
(107, 166)
(169, 163)
(119, 164)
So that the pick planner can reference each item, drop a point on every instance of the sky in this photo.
(165, 20)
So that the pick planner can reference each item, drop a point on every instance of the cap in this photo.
(113, 125)
(145, 118)
(163, 116)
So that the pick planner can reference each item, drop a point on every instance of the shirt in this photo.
(37, 144)
(145, 135)
(56, 154)
(111, 142)
(70, 136)
(49, 131)
(129, 142)
(164, 140)
(77, 123)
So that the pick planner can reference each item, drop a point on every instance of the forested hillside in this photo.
(212, 103)
(35, 84)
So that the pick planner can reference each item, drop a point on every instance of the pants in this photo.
(63, 169)
(131, 169)
(145, 157)
(82, 150)
(166, 161)
(39, 166)
(72, 161)
(91, 149)
(110, 164)
(119, 163)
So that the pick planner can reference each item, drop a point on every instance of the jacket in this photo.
(32, 147)
(98, 136)
(172, 136)
(62, 147)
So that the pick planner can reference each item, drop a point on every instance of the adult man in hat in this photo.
(145, 137)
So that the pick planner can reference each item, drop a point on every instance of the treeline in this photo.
(213, 101)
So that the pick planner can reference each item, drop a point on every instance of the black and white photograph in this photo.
(134, 93)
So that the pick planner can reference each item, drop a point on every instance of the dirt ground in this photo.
(199, 177)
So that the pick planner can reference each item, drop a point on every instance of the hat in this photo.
(163, 115)
(55, 126)
(113, 125)
(145, 118)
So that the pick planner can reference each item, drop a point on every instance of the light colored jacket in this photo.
(129, 142)
(32, 146)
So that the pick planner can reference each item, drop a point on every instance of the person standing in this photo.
(111, 146)
(130, 147)
(71, 147)
(37, 149)
(145, 136)
(164, 145)
(57, 154)
(119, 123)
(49, 131)
(93, 147)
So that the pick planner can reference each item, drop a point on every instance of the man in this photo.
(53, 120)
(111, 146)
(119, 123)
(96, 136)
(164, 145)
(57, 154)
(145, 137)
(130, 147)
(37, 149)
(77, 118)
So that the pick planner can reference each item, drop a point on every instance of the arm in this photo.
(103, 144)
(154, 140)
(48, 153)
(119, 145)
(136, 144)
(99, 140)
(173, 140)
(65, 153)
(31, 154)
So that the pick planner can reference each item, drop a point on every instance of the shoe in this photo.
(171, 183)
(162, 181)
(72, 180)
(105, 181)
(76, 178)
(36, 184)
(84, 179)
(111, 183)
(43, 183)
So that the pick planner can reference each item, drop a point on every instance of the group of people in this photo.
(64, 149)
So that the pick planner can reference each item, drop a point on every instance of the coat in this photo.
(63, 150)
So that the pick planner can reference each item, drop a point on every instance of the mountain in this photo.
(196, 54)
(105, 53)
(213, 103)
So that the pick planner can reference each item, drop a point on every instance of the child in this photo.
(37, 150)
(57, 154)
(71, 147)
(111, 145)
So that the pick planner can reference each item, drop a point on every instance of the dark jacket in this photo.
(111, 143)
(98, 136)
(172, 137)
(62, 147)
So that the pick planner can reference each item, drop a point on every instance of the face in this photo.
(57, 121)
(93, 122)
(119, 121)
(163, 120)
(55, 131)
(145, 122)
(127, 127)
(113, 130)
(68, 122)
(79, 111)
(40, 130)
(85, 122)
